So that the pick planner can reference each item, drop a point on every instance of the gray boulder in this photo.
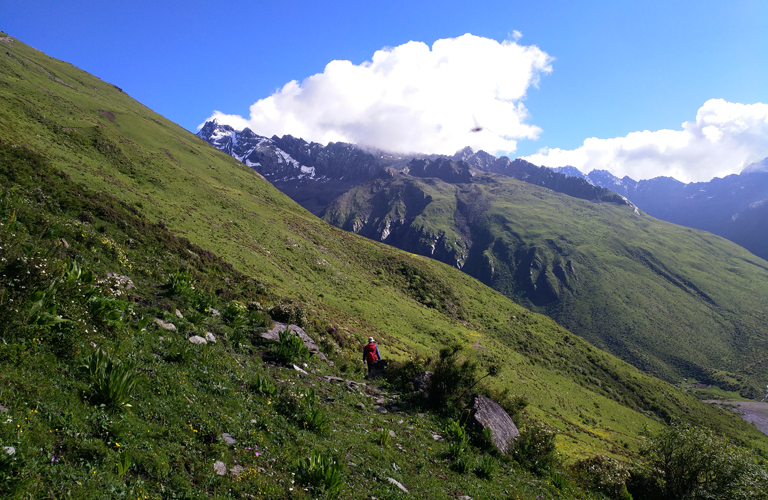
(421, 382)
(487, 414)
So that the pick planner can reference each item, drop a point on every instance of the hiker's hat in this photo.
(371, 340)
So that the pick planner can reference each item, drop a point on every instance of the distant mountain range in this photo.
(734, 207)
(314, 175)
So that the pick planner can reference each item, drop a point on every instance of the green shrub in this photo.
(535, 449)
(693, 462)
(234, 313)
(603, 474)
(451, 378)
(400, 374)
(181, 284)
(289, 313)
(111, 381)
(289, 348)
(321, 472)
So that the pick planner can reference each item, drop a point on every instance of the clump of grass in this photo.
(322, 472)
(111, 381)
(382, 438)
(462, 465)
(487, 467)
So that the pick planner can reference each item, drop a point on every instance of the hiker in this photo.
(371, 353)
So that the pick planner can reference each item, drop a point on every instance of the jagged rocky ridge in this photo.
(314, 175)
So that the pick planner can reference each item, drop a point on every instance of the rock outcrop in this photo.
(487, 414)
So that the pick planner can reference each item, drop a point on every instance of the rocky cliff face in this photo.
(314, 175)
(310, 173)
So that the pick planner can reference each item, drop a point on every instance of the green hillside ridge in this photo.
(93, 182)
(675, 302)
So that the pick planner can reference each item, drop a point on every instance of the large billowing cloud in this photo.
(725, 138)
(411, 98)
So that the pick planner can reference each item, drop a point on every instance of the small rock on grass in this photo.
(165, 326)
(227, 437)
(197, 339)
(9, 450)
(220, 468)
(210, 337)
(3, 409)
(179, 315)
(396, 483)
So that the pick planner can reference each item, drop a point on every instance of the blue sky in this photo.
(613, 70)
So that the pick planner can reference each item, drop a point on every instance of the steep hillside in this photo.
(733, 207)
(672, 301)
(94, 183)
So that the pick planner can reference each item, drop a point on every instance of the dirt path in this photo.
(751, 411)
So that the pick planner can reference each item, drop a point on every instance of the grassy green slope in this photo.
(673, 301)
(111, 150)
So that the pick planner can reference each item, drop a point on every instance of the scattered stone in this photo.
(393, 481)
(161, 338)
(254, 421)
(3, 409)
(236, 470)
(299, 370)
(64, 243)
(465, 497)
(381, 401)
(9, 450)
(437, 437)
(328, 378)
(394, 408)
(351, 464)
(165, 326)
(487, 414)
(227, 437)
(179, 315)
(214, 312)
(210, 337)
(220, 468)
(361, 405)
(197, 339)
(392, 434)
(381, 409)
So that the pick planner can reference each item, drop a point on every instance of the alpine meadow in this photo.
(145, 275)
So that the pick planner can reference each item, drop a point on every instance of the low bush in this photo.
(535, 449)
(603, 474)
(693, 462)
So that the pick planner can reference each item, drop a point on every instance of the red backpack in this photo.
(370, 353)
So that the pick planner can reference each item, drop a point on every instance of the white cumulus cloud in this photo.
(725, 138)
(464, 91)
